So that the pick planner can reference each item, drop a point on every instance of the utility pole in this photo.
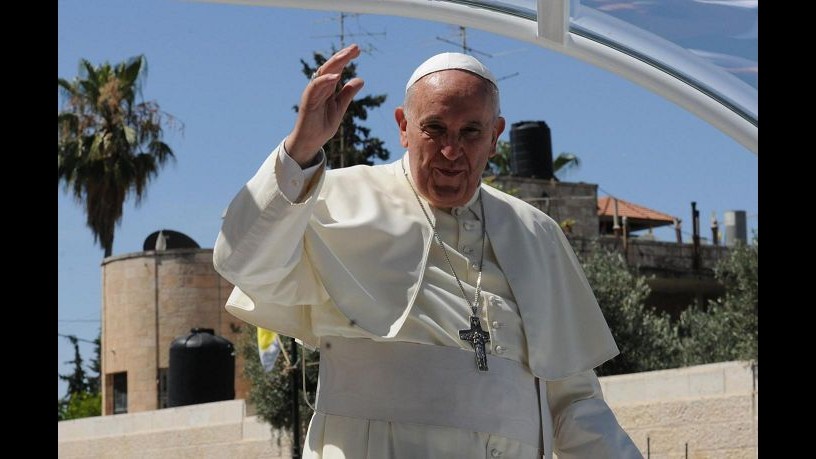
(342, 36)
(695, 236)
(463, 43)
(294, 373)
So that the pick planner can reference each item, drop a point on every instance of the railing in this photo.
(658, 256)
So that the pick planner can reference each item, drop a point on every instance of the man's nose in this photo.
(451, 146)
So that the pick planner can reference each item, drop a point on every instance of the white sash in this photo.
(432, 385)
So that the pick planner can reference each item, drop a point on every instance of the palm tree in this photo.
(110, 145)
(500, 163)
(565, 162)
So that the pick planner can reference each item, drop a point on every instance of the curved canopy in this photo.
(700, 54)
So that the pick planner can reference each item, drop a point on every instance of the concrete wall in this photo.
(711, 409)
(208, 430)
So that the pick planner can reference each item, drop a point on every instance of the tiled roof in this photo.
(606, 208)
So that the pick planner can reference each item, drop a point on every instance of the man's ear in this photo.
(402, 124)
(497, 131)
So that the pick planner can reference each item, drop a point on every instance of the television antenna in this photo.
(463, 43)
(341, 18)
(462, 35)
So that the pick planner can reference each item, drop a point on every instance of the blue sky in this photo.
(231, 74)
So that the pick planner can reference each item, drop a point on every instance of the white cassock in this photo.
(346, 261)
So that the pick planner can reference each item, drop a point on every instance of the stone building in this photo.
(149, 299)
(678, 273)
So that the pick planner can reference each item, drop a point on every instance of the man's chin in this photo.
(447, 197)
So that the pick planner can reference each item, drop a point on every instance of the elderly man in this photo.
(453, 320)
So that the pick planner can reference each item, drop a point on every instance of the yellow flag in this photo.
(268, 348)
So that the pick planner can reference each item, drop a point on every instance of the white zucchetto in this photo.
(451, 61)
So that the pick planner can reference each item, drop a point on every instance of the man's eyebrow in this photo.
(430, 119)
(439, 119)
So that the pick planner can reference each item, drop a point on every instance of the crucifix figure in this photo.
(477, 338)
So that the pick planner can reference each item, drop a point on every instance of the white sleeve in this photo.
(292, 179)
(584, 425)
(260, 248)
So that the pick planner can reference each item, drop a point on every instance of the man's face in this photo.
(450, 129)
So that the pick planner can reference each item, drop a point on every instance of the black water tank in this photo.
(173, 240)
(531, 150)
(202, 369)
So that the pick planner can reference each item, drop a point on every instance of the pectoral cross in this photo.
(477, 338)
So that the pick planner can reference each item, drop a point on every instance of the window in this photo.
(120, 392)
(162, 389)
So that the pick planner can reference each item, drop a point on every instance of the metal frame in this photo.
(552, 31)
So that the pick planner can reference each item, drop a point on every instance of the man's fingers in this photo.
(346, 95)
(336, 63)
(320, 90)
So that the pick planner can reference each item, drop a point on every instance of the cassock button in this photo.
(495, 453)
(496, 324)
(499, 350)
(475, 266)
(467, 249)
(469, 225)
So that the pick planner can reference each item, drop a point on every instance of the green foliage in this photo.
(566, 225)
(499, 164)
(565, 162)
(94, 383)
(109, 143)
(79, 405)
(645, 337)
(82, 398)
(726, 328)
(271, 392)
(352, 143)
(78, 379)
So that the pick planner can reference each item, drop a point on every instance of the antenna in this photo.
(465, 48)
(368, 49)
(341, 18)
(507, 76)
(462, 35)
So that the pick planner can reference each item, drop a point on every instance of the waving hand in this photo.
(322, 106)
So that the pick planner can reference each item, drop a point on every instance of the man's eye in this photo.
(433, 130)
(471, 133)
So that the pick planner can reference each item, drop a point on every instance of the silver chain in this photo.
(475, 304)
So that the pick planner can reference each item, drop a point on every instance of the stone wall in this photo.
(572, 205)
(669, 269)
(709, 410)
(659, 257)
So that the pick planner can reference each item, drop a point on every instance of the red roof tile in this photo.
(606, 208)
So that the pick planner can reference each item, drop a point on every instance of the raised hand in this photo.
(322, 107)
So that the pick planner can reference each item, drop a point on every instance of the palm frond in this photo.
(107, 148)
